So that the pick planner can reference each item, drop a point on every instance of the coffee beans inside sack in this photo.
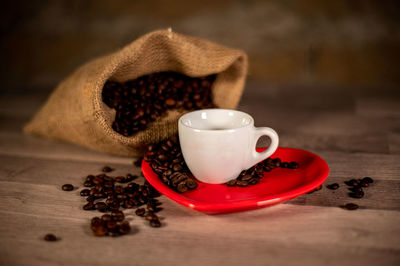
(122, 102)
(141, 101)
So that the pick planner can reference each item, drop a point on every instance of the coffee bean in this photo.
(284, 165)
(114, 206)
(119, 179)
(151, 216)
(89, 178)
(170, 102)
(101, 206)
(351, 206)
(333, 186)
(181, 188)
(246, 177)
(140, 212)
(100, 231)
(96, 222)
(191, 184)
(162, 157)
(50, 237)
(119, 189)
(151, 207)
(132, 186)
(177, 178)
(242, 183)
(155, 223)
(117, 215)
(364, 183)
(106, 217)
(89, 206)
(124, 228)
(99, 195)
(106, 169)
(231, 183)
(357, 194)
(85, 192)
(276, 162)
(154, 202)
(90, 198)
(98, 180)
(253, 181)
(352, 182)
(67, 187)
(122, 197)
(316, 189)
(108, 184)
(293, 165)
(170, 143)
(88, 183)
(356, 189)
(368, 179)
(128, 204)
(177, 167)
(111, 225)
(129, 177)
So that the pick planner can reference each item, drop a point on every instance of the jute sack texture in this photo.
(75, 112)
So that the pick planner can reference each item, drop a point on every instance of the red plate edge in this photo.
(237, 206)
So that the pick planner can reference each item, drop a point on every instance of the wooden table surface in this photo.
(357, 132)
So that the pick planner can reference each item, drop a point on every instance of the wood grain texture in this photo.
(355, 140)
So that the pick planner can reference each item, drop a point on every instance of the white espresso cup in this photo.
(218, 144)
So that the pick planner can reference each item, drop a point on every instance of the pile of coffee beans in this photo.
(150, 215)
(110, 224)
(166, 160)
(356, 186)
(140, 101)
(111, 195)
(253, 175)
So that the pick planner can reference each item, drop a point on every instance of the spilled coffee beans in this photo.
(111, 195)
(356, 186)
(109, 225)
(166, 160)
(253, 175)
(140, 212)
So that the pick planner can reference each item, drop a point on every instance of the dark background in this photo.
(292, 45)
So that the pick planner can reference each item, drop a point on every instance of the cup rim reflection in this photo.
(185, 116)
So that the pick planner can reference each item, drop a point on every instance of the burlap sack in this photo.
(75, 112)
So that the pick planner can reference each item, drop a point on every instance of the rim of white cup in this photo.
(251, 123)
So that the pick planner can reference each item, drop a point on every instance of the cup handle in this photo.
(256, 157)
